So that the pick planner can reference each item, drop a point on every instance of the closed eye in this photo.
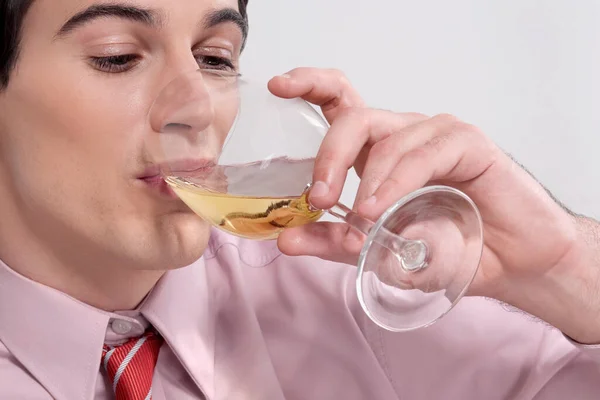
(215, 62)
(115, 64)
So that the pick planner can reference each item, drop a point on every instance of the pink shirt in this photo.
(246, 322)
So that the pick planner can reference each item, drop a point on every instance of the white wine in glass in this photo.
(243, 159)
(251, 216)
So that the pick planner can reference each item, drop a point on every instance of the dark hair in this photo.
(12, 14)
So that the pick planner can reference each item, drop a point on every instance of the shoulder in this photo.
(15, 380)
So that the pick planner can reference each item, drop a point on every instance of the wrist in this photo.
(567, 296)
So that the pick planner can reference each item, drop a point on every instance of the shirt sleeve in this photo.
(484, 349)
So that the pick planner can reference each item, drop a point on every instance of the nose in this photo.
(180, 118)
(183, 107)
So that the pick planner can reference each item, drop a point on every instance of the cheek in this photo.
(225, 117)
(72, 140)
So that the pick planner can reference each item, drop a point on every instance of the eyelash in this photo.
(114, 64)
(123, 63)
(222, 62)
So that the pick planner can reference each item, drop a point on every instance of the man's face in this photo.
(75, 115)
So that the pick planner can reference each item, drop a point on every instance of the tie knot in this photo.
(130, 366)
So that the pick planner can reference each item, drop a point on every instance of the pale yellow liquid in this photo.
(251, 217)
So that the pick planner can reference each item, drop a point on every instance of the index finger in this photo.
(347, 136)
(327, 88)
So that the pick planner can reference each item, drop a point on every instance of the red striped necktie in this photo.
(130, 366)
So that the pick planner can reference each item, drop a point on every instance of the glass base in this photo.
(404, 286)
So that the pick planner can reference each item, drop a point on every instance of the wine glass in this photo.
(242, 159)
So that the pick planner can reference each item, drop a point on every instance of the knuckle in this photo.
(306, 69)
(360, 117)
(466, 129)
(393, 182)
(488, 147)
(473, 136)
(331, 78)
(352, 112)
(337, 74)
(439, 142)
(382, 150)
(320, 75)
(446, 119)
(415, 115)
(373, 180)
(454, 128)
(419, 154)
(390, 186)
(326, 157)
(298, 71)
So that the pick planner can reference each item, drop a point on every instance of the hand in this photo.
(528, 236)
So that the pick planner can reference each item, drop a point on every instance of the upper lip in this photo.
(179, 166)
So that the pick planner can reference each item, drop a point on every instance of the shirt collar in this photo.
(59, 339)
(180, 308)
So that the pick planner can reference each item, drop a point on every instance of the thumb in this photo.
(331, 241)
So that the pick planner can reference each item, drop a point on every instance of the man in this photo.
(109, 288)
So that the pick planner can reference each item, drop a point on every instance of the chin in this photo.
(186, 239)
(159, 242)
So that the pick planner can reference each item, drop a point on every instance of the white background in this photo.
(524, 71)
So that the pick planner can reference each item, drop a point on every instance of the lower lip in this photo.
(158, 184)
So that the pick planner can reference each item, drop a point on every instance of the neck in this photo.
(49, 258)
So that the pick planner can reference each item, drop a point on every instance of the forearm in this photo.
(568, 295)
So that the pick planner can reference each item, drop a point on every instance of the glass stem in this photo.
(413, 254)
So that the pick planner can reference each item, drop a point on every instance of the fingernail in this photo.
(319, 189)
(286, 76)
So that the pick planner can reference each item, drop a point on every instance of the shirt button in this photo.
(121, 327)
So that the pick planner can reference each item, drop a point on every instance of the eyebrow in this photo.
(147, 17)
(137, 14)
(225, 15)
